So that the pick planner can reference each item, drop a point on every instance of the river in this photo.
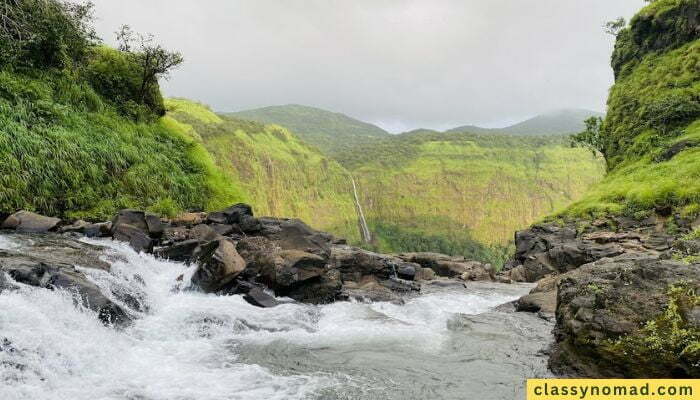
(447, 343)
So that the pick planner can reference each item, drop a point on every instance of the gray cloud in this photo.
(400, 63)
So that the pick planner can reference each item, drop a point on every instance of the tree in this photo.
(615, 27)
(155, 61)
(45, 33)
(591, 138)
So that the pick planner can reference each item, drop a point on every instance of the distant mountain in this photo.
(556, 122)
(329, 131)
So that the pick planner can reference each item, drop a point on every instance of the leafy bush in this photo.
(117, 77)
(44, 33)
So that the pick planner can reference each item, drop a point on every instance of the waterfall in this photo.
(364, 230)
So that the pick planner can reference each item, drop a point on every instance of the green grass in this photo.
(328, 131)
(461, 186)
(653, 105)
(65, 151)
(280, 175)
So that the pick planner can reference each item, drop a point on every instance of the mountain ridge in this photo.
(327, 130)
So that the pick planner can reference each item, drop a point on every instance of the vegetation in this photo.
(651, 133)
(330, 132)
(280, 175)
(67, 144)
(466, 187)
(669, 343)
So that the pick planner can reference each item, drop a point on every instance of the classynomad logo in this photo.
(613, 389)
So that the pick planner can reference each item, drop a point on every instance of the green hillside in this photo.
(559, 122)
(443, 192)
(78, 134)
(331, 132)
(651, 136)
(279, 174)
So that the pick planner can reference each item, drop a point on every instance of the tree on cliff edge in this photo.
(155, 61)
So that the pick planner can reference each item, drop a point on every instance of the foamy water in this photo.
(188, 345)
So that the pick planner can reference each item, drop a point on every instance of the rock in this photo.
(292, 234)
(543, 298)
(407, 272)
(259, 253)
(87, 229)
(29, 222)
(175, 234)
(147, 223)
(204, 233)
(370, 290)
(189, 219)
(354, 263)
(476, 271)
(549, 249)
(46, 272)
(181, 251)
(222, 229)
(449, 266)
(232, 215)
(136, 237)
(218, 265)
(426, 274)
(259, 298)
(609, 299)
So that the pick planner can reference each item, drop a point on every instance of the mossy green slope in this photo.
(465, 188)
(281, 175)
(65, 150)
(651, 133)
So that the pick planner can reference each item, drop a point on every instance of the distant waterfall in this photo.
(364, 230)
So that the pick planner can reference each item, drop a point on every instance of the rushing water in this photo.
(448, 343)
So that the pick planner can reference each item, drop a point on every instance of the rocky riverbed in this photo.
(166, 339)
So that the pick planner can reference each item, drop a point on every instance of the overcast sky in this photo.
(401, 64)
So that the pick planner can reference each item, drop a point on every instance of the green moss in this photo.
(667, 346)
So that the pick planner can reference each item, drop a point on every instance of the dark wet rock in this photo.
(137, 238)
(29, 222)
(218, 265)
(181, 251)
(601, 302)
(259, 298)
(407, 272)
(293, 234)
(550, 249)
(223, 229)
(232, 215)
(45, 272)
(450, 266)
(204, 233)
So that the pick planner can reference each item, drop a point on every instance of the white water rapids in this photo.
(446, 343)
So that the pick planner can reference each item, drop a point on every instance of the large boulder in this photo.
(49, 273)
(29, 222)
(293, 234)
(603, 314)
(140, 229)
(450, 266)
(218, 265)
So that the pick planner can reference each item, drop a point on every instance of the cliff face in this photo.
(621, 268)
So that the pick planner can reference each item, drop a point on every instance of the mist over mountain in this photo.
(564, 121)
